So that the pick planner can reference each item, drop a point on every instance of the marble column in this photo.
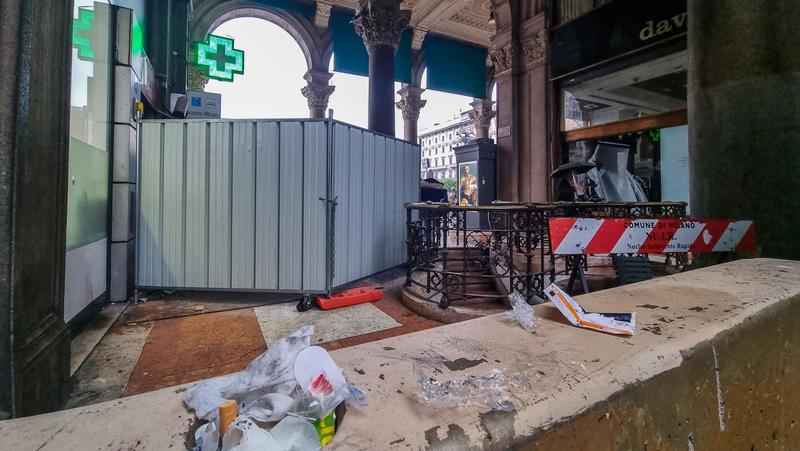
(482, 114)
(744, 117)
(34, 139)
(502, 56)
(317, 92)
(380, 24)
(410, 104)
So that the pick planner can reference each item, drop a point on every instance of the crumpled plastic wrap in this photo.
(493, 390)
(290, 434)
(265, 391)
(522, 312)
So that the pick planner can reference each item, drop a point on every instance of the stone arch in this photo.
(418, 67)
(317, 47)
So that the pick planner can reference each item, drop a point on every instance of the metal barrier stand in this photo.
(454, 259)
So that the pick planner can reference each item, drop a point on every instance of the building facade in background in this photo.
(437, 143)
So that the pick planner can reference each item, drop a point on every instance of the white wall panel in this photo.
(374, 176)
(240, 205)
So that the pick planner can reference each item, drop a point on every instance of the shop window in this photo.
(648, 89)
(649, 165)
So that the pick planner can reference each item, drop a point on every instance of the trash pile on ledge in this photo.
(291, 397)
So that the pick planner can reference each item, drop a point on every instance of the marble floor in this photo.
(183, 337)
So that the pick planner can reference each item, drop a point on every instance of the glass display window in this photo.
(655, 87)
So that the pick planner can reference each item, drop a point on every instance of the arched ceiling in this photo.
(467, 20)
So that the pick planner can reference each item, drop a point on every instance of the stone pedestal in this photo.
(744, 120)
(380, 23)
(317, 92)
(410, 104)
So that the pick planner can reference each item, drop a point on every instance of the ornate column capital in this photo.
(317, 94)
(503, 59)
(418, 38)
(323, 13)
(482, 112)
(317, 91)
(195, 78)
(481, 115)
(381, 22)
(410, 102)
(534, 49)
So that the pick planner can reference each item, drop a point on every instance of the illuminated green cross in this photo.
(219, 60)
(81, 34)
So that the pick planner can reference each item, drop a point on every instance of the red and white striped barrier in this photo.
(575, 236)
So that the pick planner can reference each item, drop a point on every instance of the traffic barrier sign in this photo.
(581, 236)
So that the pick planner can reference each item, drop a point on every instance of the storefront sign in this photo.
(203, 105)
(618, 28)
(653, 29)
(83, 34)
(218, 58)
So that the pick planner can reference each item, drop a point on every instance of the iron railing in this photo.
(469, 255)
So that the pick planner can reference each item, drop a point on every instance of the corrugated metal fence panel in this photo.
(233, 205)
(197, 189)
(290, 219)
(149, 234)
(219, 206)
(268, 170)
(374, 176)
(315, 191)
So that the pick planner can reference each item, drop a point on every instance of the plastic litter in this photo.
(296, 434)
(206, 438)
(244, 435)
(522, 312)
(263, 390)
(493, 390)
(291, 383)
(290, 434)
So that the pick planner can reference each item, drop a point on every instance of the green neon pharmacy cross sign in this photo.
(218, 59)
(82, 34)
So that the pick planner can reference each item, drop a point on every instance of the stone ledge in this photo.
(578, 377)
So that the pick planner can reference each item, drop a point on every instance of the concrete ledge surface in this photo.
(570, 374)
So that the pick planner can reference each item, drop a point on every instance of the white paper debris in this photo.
(612, 323)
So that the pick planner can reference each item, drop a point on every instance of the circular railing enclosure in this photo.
(472, 255)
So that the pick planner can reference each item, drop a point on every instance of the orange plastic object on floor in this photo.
(349, 297)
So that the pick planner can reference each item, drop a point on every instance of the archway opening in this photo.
(350, 100)
(444, 123)
(273, 77)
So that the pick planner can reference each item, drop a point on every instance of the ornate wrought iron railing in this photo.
(469, 255)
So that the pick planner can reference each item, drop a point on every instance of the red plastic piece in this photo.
(349, 297)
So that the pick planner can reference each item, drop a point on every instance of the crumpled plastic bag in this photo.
(206, 438)
(244, 435)
(290, 434)
(521, 312)
(258, 389)
(493, 390)
(296, 434)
